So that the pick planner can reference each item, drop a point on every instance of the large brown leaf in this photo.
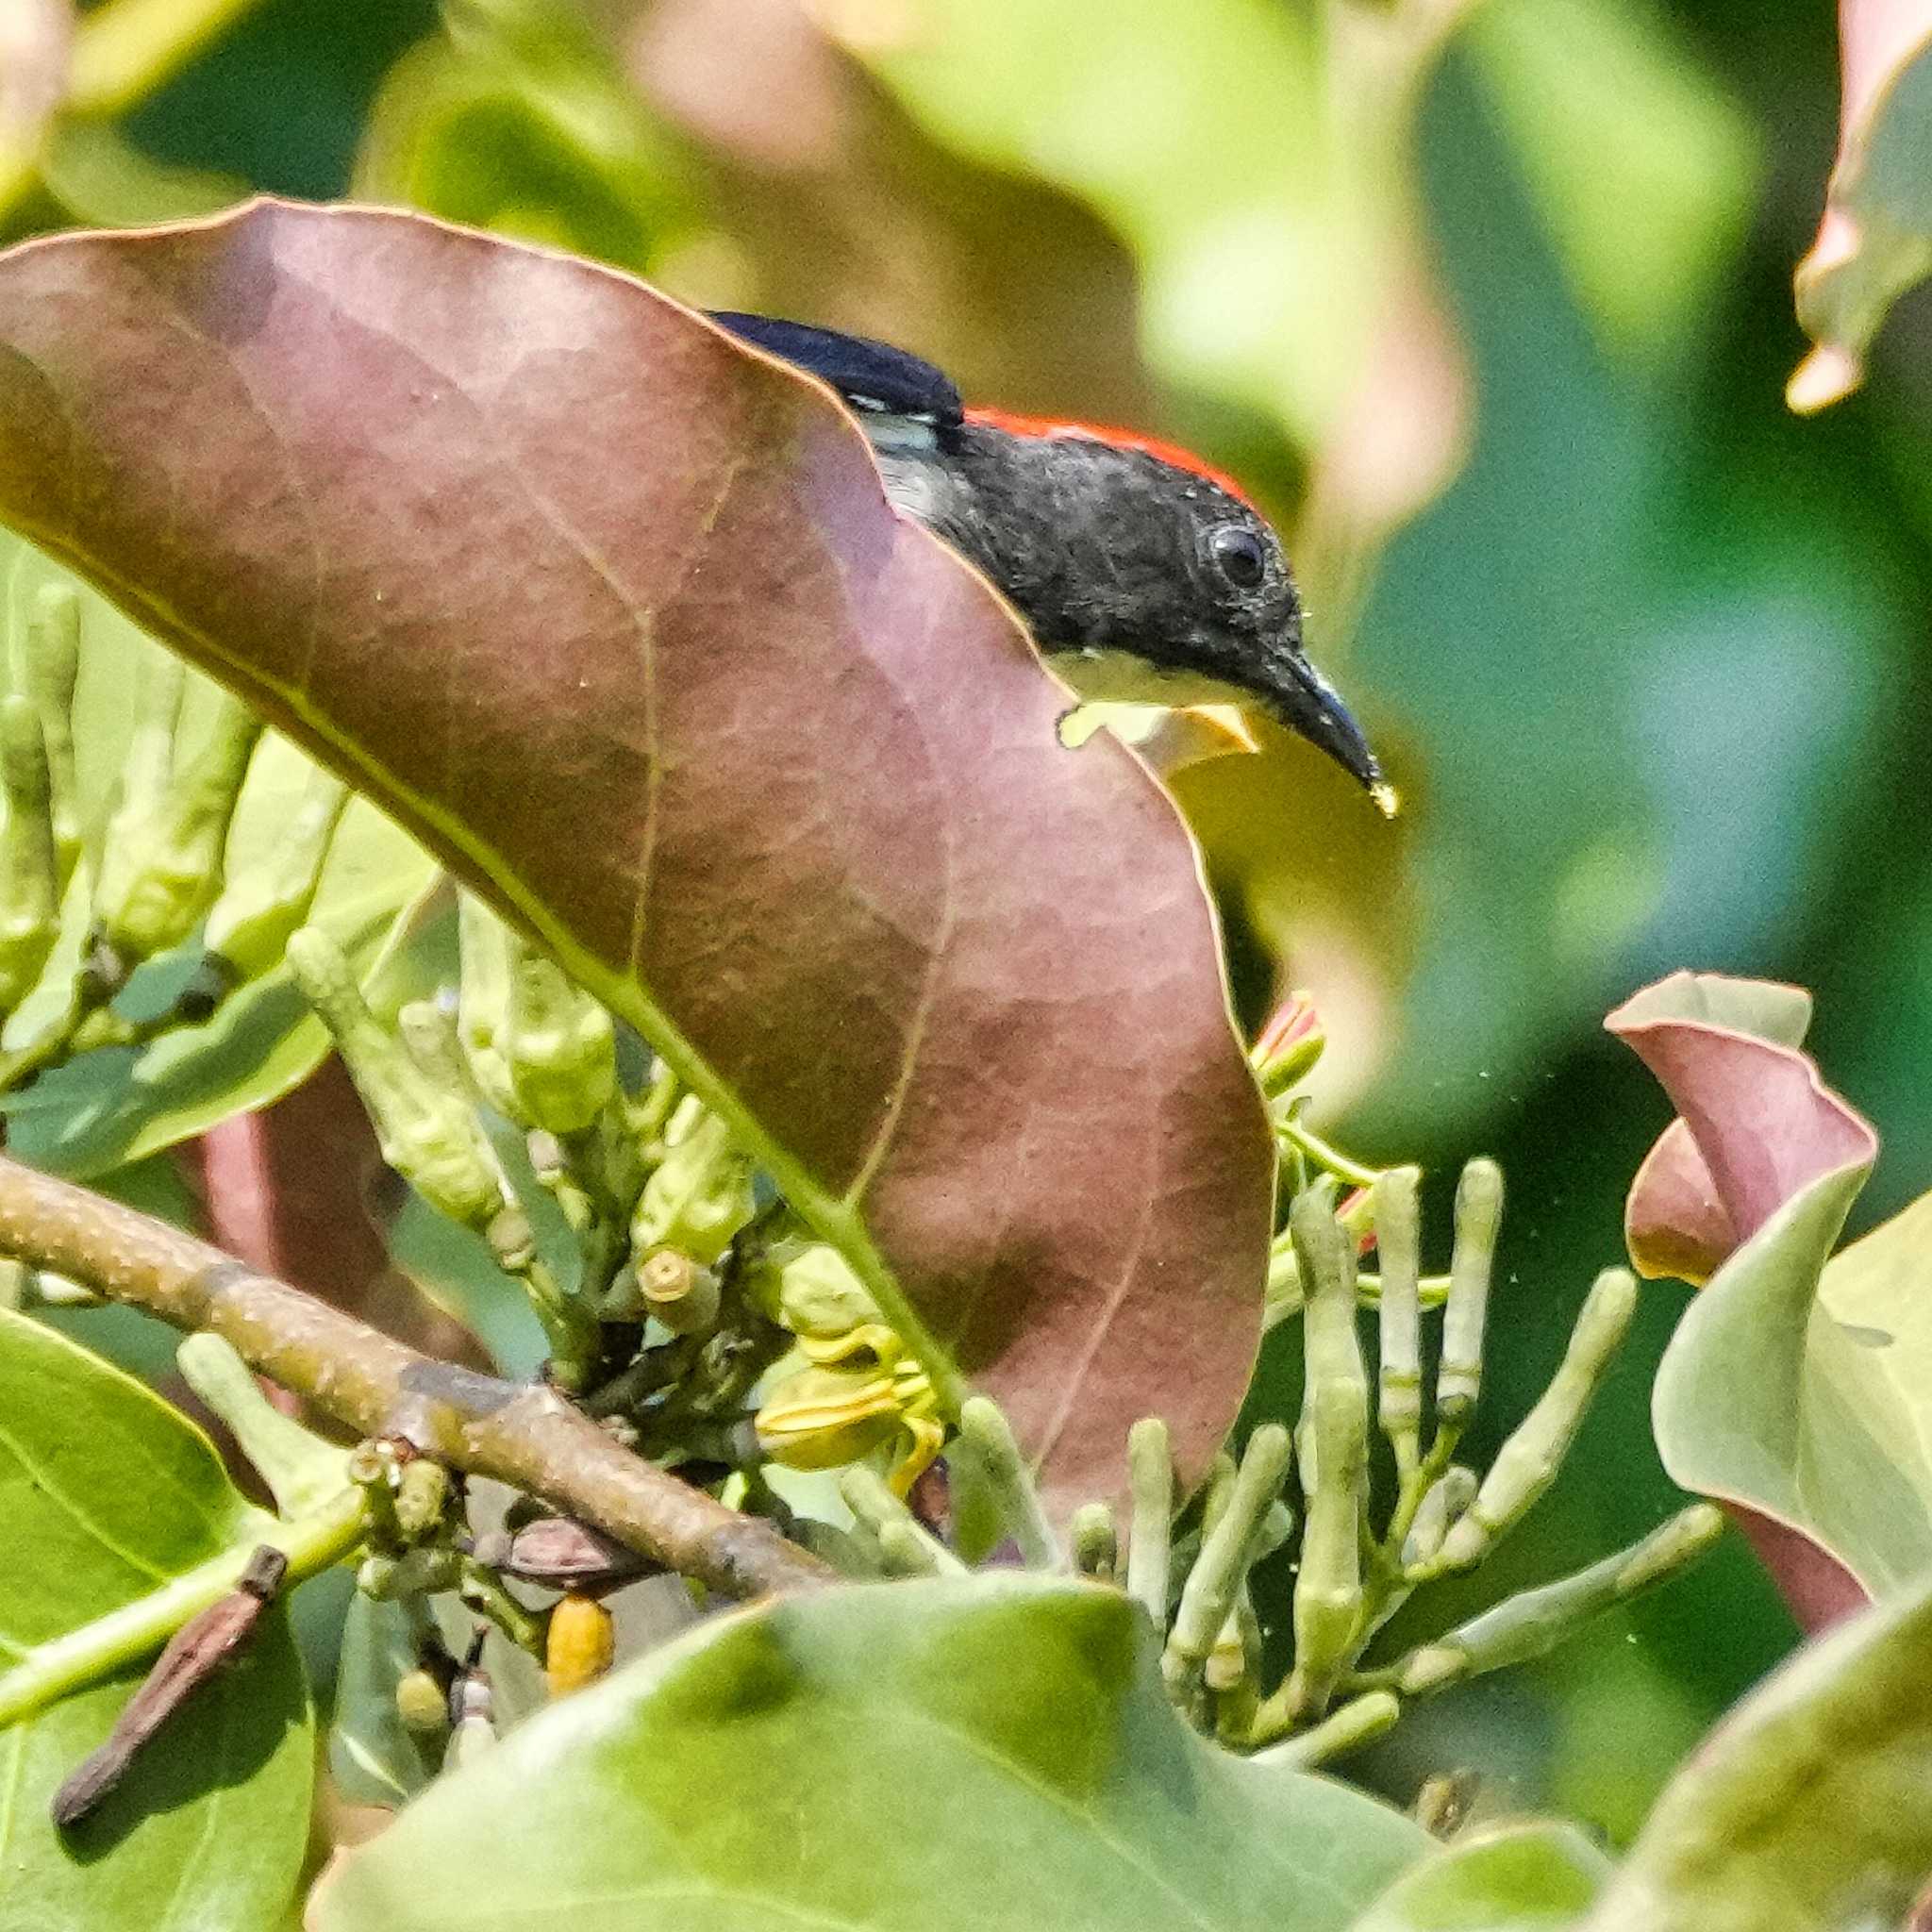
(613, 613)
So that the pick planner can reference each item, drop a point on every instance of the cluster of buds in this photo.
(694, 1316)
(706, 1326)
(162, 873)
(1353, 1572)
(1308, 1491)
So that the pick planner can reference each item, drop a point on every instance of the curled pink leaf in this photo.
(1758, 1125)
(1673, 1222)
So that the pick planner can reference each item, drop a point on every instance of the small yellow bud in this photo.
(580, 1646)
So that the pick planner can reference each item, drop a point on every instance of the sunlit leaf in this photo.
(616, 616)
(996, 1755)
(106, 1492)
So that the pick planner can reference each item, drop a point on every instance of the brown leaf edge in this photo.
(317, 450)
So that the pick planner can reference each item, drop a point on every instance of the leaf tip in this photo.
(1829, 374)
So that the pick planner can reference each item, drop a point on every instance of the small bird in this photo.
(1144, 575)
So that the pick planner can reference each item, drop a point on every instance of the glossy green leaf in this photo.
(994, 1755)
(615, 613)
(1512, 1878)
(1806, 1811)
(113, 1106)
(105, 1492)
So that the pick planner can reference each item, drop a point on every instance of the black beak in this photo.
(1307, 704)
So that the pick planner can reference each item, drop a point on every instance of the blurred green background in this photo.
(1488, 300)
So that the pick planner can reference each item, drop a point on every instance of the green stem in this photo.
(303, 1471)
(1347, 1728)
(1150, 1534)
(1329, 1158)
(984, 1429)
(82, 1657)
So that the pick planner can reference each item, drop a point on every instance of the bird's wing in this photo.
(870, 375)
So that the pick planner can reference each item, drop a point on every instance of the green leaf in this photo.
(1805, 1811)
(1515, 1879)
(374, 1757)
(775, 775)
(991, 1754)
(105, 1492)
(1812, 1410)
(1646, 228)
(113, 1106)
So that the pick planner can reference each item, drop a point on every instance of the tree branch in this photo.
(522, 1434)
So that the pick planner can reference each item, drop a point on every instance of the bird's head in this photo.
(1145, 577)
(1142, 573)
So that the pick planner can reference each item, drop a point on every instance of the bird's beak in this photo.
(1309, 705)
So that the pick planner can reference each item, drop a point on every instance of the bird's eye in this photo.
(1239, 553)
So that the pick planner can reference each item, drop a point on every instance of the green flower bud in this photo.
(483, 1004)
(1527, 1465)
(162, 859)
(250, 924)
(1096, 1544)
(698, 1198)
(1479, 1220)
(682, 1295)
(1290, 1045)
(428, 1132)
(1332, 1438)
(1150, 1472)
(422, 1497)
(422, 1703)
(53, 668)
(1400, 1410)
(558, 1044)
(809, 1288)
(30, 866)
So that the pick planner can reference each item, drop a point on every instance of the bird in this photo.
(1144, 575)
